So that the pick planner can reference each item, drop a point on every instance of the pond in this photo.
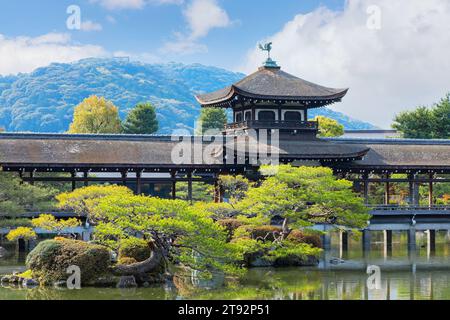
(404, 275)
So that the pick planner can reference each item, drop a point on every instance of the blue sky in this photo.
(146, 29)
(393, 55)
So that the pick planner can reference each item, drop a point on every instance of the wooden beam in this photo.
(138, 182)
(31, 181)
(217, 192)
(86, 178)
(383, 180)
(190, 187)
(430, 191)
(366, 189)
(117, 180)
(73, 175)
(387, 195)
(174, 185)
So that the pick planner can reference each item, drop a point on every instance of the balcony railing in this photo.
(409, 207)
(274, 124)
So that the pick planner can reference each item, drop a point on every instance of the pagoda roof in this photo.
(271, 83)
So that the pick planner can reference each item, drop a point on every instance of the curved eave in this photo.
(345, 157)
(225, 101)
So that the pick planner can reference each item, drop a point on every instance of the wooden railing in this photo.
(274, 124)
(409, 207)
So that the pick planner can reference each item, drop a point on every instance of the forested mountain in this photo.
(43, 100)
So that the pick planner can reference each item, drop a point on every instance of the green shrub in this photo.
(293, 254)
(13, 223)
(138, 249)
(51, 258)
(308, 237)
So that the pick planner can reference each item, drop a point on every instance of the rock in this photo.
(60, 284)
(105, 282)
(336, 261)
(14, 279)
(3, 253)
(260, 263)
(30, 283)
(127, 282)
(5, 279)
(296, 261)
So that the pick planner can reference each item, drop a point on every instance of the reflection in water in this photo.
(404, 275)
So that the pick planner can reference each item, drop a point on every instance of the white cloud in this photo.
(91, 26)
(132, 4)
(400, 66)
(202, 16)
(111, 19)
(24, 54)
(121, 4)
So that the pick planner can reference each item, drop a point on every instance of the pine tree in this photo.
(211, 119)
(141, 120)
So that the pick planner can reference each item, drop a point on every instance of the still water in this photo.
(419, 275)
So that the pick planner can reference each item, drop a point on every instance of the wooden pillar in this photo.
(344, 240)
(411, 189)
(190, 187)
(366, 239)
(124, 177)
(388, 242)
(326, 241)
(174, 185)
(412, 239)
(32, 177)
(366, 188)
(138, 182)
(86, 178)
(387, 195)
(430, 191)
(431, 243)
(73, 174)
(217, 191)
(21, 176)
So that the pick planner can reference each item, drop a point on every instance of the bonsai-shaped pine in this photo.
(211, 121)
(96, 115)
(329, 127)
(24, 233)
(49, 223)
(141, 120)
(176, 231)
(303, 197)
(17, 197)
(425, 122)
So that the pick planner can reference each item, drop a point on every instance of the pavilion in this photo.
(269, 103)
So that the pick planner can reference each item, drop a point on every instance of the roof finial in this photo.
(269, 63)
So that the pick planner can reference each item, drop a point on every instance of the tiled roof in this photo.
(273, 83)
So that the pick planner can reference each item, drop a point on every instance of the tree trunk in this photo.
(147, 266)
